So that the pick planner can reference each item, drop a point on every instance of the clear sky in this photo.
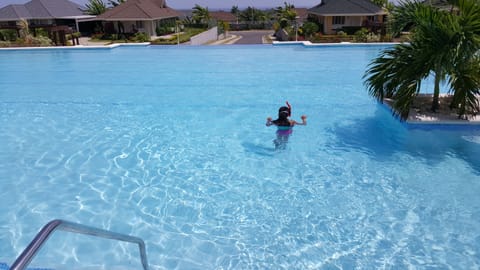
(211, 4)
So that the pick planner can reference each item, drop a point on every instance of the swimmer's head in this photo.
(283, 112)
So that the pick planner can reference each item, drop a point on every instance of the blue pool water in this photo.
(170, 144)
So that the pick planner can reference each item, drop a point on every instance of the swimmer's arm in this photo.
(269, 122)
(303, 123)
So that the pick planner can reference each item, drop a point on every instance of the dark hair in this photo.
(283, 114)
(284, 109)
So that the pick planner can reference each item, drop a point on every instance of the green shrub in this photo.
(318, 38)
(30, 40)
(41, 32)
(283, 23)
(141, 37)
(223, 27)
(8, 35)
(276, 26)
(185, 36)
(38, 41)
(387, 38)
(350, 30)
(5, 44)
(165, 29)
(372, 37)
(361, 35)
(309, 28)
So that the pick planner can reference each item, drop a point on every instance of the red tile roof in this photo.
(139, 10)
(302, 13)
(346, 8)
(223, 16)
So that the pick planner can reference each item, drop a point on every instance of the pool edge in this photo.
(79, 47)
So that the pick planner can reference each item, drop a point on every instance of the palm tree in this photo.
(466, 81)
(251, 14)
(286, 16)
(235, 11)
(24, 28)
(201, 14)
(444, 44)
(95, 7)
(286, 12)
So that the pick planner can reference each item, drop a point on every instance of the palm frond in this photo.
(444, 43)
(465, 83)
(404, 98)
(386, 73)
(95, 7)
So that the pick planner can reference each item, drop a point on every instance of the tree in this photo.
(251, 14)
(286, 12)
(24, 28)
(235, 11)
(309, 28)
(380, 3)
(95, 7)
(224, 27)
(384, 4)
(443, 44)
(201, 14)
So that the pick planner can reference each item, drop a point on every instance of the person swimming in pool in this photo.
(284, 125)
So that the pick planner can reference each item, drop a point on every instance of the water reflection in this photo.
(381, 136)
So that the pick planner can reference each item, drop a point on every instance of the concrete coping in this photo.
(310, 44)
(110, 46)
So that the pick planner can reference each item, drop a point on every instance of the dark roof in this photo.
(139, 10)
(40, 9)
(13, 13)
(302, 13)
(55, 8)
(346, 7)
(223, 16)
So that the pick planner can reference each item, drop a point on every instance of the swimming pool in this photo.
(170, 144)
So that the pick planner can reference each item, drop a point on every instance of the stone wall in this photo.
(205, 37)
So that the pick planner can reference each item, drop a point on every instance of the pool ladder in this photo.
(27, 255)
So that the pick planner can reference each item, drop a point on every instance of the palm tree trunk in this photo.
(436, 92)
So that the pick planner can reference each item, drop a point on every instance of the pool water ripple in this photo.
(188, 164)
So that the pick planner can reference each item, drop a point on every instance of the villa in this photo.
(138, 16)
(58, 17)
(336, 15)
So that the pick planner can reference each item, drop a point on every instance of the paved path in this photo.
(251, 37)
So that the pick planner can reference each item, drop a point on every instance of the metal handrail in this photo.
(27, 255)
